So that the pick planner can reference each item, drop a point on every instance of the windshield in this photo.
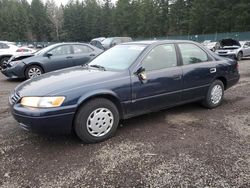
(44, 50)
(119, 57)
(107, 41)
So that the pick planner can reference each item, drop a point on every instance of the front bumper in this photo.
(15, 71)
(231, 55)
(44, 121)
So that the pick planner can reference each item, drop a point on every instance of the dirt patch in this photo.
(182, 119)
(240, 124)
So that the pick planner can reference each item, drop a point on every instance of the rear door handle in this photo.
(92, 55)
(69, 57)
(213, 70)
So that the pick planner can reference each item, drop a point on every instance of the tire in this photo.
(33, 68)
(92, 126)
(239, 56)
(5, 59)
(212, 101)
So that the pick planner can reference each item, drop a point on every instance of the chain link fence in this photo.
(241, 36)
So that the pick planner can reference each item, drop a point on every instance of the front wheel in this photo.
(96, 121)
(33, 71)
(239, 56)
(214, 95)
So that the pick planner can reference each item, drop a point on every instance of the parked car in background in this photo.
(97, 42)
(128, 80)
(112, 41)
(39, 46)
(8, 49)
(233, 49)
(54, 57)
(31, 46)
(210, 45)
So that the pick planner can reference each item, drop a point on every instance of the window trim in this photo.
(180, 55)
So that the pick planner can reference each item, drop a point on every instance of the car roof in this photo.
(69, 43)
(149, 42)
(100, 39)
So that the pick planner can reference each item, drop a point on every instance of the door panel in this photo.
(162, 86)
(198, 71)
(196, 80)
(82, 54)
(61, 57)
(247, 50)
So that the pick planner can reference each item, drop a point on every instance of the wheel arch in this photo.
(34, 63)
(240, 52)
(223, 80)
(110, 95)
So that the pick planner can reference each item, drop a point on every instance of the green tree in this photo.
(40, 21)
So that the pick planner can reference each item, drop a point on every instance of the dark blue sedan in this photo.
(128, 80)
(51, 58)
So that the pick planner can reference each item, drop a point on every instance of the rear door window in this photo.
(192, 54)
(81, 49)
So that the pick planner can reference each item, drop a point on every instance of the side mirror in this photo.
(245, 46)
(141, 73)
(49, 54)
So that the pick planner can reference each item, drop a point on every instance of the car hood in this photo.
(20, 56)
(229, 42)
(63, 80)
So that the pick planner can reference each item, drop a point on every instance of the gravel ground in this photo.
(186, 146)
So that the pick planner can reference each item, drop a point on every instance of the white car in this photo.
(234, 49)
(8, 49)
(210, 45)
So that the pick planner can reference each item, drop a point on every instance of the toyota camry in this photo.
(125, 81)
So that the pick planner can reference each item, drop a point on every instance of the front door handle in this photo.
(69, 57)
(92, 55)
(177, 77)
(213, 70)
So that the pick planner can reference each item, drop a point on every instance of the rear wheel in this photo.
(214, 95)
(239, 56)
(96, 121)
(33, 71)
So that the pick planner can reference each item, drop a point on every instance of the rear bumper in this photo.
(44, 121)
(233, 82)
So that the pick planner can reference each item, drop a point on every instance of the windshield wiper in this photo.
(98, 66)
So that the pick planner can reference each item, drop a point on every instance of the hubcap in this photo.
(34, 72)
(216, 94)
(100, 122)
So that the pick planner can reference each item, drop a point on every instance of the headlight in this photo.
(13, 63)
(42, 102)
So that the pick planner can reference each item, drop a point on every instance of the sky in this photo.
(64, 2)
